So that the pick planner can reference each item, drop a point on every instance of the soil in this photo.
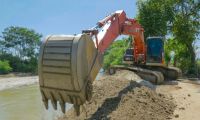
(186, 95)
(123, 97)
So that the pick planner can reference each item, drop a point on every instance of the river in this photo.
(24, 103)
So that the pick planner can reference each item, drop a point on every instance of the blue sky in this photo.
(60, 16)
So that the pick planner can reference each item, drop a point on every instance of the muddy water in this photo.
(24, 103)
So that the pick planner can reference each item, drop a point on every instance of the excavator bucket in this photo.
(68, 64)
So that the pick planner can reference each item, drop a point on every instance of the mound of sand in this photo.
(144, 104)
(118, 98)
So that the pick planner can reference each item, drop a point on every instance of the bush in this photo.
(114, 54)
(5, 67)
(19, 65)
(14, 61)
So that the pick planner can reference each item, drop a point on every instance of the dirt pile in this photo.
(117, 98)
(144, 104)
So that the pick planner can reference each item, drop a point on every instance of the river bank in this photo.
(12, 82)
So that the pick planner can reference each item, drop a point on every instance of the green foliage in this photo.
(21, 42)
(198, 66)
(186, 28)
(20, 46)
(114, 54)
(19, 65)
(198, 62)
(154, 16)
(181, 54)
(14, 61)
(5, 67)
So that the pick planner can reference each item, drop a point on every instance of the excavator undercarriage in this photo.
(154, 74)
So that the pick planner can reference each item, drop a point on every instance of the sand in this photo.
(12, 82)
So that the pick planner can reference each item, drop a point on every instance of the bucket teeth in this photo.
(53, 101)
(62, 105)
(46, 104)
(45, 100)
(77, 109)
(54, 104)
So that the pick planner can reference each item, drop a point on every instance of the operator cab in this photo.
(128, 56)
(155, 50)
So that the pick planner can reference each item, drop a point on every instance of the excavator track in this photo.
(170, 73)
(65, 70)
(154, 77)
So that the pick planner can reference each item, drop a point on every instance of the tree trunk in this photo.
(192, 57)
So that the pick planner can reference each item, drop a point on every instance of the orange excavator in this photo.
(68, 64)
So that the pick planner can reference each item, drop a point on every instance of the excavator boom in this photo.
(117, 24)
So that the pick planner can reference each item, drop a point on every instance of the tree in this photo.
(21, 42)
(181, 54)
(20, 46)
(186, 27)
(155, 16)
(114, 54)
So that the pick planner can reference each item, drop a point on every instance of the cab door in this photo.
(155, 50)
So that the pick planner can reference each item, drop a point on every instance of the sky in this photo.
(60, 16)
